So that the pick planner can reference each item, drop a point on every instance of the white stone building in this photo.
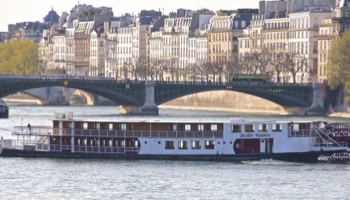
(303, 29)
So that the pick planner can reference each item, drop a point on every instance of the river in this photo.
(31, 178)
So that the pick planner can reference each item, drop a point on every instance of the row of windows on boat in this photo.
(132, 142)
(170, 127)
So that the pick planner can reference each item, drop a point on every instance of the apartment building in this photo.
(224, 29)
(325, 39)
(97, 52)
(110, 70)
(303, 44)
(251, 42)
(59, 46)
(275, 41)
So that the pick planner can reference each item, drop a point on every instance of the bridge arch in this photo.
(22, 97)
(286, 96)
(90, 98)
(226, 101)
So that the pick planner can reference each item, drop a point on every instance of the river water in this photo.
(30, 178)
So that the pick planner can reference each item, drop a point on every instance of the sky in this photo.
(14, 11)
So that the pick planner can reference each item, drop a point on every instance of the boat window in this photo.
(209, 144)
(249, 128)
(174, 127)
(92, 125)
(169, 145)
(200, 127)
(120, 143)
(196, 144)
(183, 144)
(123, 127)
(213, 127)
(55, 124)
(276, 127)
(262, 128)
(236, 128)
(67, 125)
(132, 143)
(187, 127)
(85, 125)
(110, 126)
(295, 127)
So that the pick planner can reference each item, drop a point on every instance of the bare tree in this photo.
(294, 63)
(208, 70)
(153, 70)
(201, 68)
(229, 68)
(277, 64)
(245, 64)
(217, 71)
(256, 62)
(172, 69)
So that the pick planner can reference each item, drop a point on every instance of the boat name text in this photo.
(255, 135)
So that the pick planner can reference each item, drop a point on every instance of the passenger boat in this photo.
(236, 139)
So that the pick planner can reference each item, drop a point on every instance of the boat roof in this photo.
(235, 120)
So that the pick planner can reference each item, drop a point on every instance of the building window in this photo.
(315, 47)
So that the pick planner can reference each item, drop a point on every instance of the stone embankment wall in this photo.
(226, 102)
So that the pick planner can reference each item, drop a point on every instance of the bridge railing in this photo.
(242, 83)
(15, 78)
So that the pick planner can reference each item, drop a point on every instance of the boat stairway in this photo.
(329, 139)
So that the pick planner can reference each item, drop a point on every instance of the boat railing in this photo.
(33, 130)
(93, 149)
(8, 143)
(301, 133)
(138, 133)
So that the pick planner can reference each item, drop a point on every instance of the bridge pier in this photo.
(317, 106)
(148, 108)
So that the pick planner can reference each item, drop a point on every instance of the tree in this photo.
(338, 64)
(255, 62)
(294, 63)
(277, 64)
(229, 67)
(19, 57)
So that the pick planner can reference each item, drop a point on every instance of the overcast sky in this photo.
(14, 11)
